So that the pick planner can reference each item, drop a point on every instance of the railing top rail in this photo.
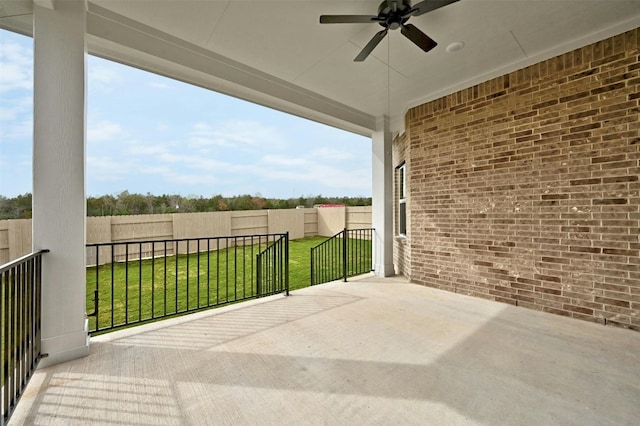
(223, 237)
(339, 234)
(333, 237)
(273, 243)
(20, 260)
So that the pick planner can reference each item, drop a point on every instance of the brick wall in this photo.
(401, 244)
(524, 189)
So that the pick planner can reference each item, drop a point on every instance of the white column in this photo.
(59, 208)
(382, 198)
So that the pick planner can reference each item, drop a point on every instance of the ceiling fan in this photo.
(392, 14)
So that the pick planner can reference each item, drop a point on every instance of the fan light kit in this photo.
(392, 14)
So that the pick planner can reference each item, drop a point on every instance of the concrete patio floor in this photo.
(371, 351)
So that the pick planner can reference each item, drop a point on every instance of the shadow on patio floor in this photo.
(368, 351)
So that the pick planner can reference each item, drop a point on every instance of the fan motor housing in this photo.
(393, 19)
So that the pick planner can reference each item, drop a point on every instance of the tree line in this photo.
(126, 203)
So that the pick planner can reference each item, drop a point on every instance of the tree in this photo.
(126, 203)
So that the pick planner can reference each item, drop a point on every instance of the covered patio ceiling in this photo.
(276, 53)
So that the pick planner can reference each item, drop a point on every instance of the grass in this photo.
(147, 289)
(328, 259)
(300, 261)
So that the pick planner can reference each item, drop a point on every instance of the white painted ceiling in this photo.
(276, 53)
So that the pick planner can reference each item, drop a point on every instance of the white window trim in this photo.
(402, 199)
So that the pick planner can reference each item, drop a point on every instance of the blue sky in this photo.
(150, 134)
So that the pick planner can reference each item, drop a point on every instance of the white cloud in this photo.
(239, 134)
(16, 67)
(104, 78)
(159, 85)
(283, 161)
(148, 150)
(12, 109)
(192, 179)
(104, 130)
(207, 164)
(19, 129)
(152, 169)
(203, 135)
(106, 169)
(330, 154)
(169, 160)
(317, 173)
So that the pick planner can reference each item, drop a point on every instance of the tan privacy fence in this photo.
(15, 235)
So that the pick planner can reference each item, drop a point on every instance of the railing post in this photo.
(274, 264)
(312, 270)
(258, 275)
(95, 305)
(286, 262)
(345, 268)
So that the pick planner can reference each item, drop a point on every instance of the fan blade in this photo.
(371, 45)
(347, 19)
(419, 38)
(428, 6)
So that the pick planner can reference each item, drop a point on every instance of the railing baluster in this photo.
(20, 286)
(244, 268)
(187, 267)
(235, 268)
(20, 329)
(227, 269)
(218, 272)
(153, 280)
(198, 275)
(286, 264)
(258, 276)
(346, 254)
(208, 271)
(311, 275)
(165, 278)
(345, 264)
(252, 266)
(4, 343)
(177, 273)
(140, 282)
(113, 282)
(266, 256)
(126, 283)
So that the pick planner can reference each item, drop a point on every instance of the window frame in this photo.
(402, 199)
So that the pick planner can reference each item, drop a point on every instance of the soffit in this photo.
(283, 45)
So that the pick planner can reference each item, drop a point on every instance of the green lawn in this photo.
(149, 289)
(328, 259)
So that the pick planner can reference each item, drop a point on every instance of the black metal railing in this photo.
(272, 263)
(346, 254)
(135, 282)
(20, 327)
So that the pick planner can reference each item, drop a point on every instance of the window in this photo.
(402, 200)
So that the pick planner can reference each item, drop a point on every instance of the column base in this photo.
(382, 270)
(64, 348)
